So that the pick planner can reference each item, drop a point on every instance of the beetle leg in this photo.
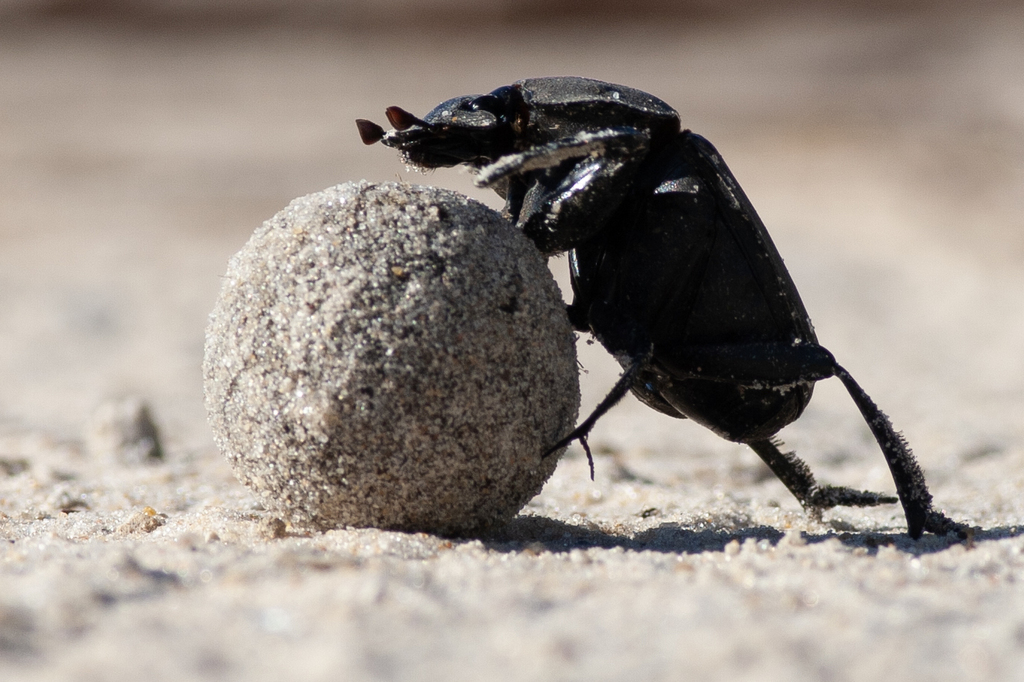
(578, 317)
(798, 479)
(906, 472)
(748, 362)
(627, 341)
(809, 362)
(617, 393)
(569, 188)
(605, 143)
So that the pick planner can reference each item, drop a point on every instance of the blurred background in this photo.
(141, 142)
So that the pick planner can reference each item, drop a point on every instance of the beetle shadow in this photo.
(540, 534)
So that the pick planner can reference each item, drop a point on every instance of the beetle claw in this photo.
(402, 119)
(369, 131)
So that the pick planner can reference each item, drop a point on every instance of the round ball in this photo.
(393, 356)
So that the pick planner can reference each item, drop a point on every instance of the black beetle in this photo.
(672, 270)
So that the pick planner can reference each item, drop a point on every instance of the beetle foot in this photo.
(590, 455)
(582, 438)
(938, 523)
(828, 496)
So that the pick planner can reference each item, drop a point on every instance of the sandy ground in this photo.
(886, 155)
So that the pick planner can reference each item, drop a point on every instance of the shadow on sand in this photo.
(543, 534)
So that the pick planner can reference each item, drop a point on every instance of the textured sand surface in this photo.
(886, 156)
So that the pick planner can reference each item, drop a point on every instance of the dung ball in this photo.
(392, 356)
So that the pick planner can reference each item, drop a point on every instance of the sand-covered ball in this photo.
(390, 355)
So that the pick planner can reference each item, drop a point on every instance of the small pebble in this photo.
(273, 528)
(123, 431)
(392, 356)
(146, 520)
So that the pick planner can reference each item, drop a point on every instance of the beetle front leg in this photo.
(570, 187)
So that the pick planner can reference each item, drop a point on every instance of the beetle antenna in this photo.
(369, 132)
(402, 119)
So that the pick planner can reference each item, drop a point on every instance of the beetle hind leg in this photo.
(797, 477)
(906, 472)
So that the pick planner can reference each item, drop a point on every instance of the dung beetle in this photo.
(672, 269)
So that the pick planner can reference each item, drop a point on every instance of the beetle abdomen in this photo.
(741, 414)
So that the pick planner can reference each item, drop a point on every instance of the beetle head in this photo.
(474, 130)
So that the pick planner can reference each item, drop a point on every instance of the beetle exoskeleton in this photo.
(672, 269)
